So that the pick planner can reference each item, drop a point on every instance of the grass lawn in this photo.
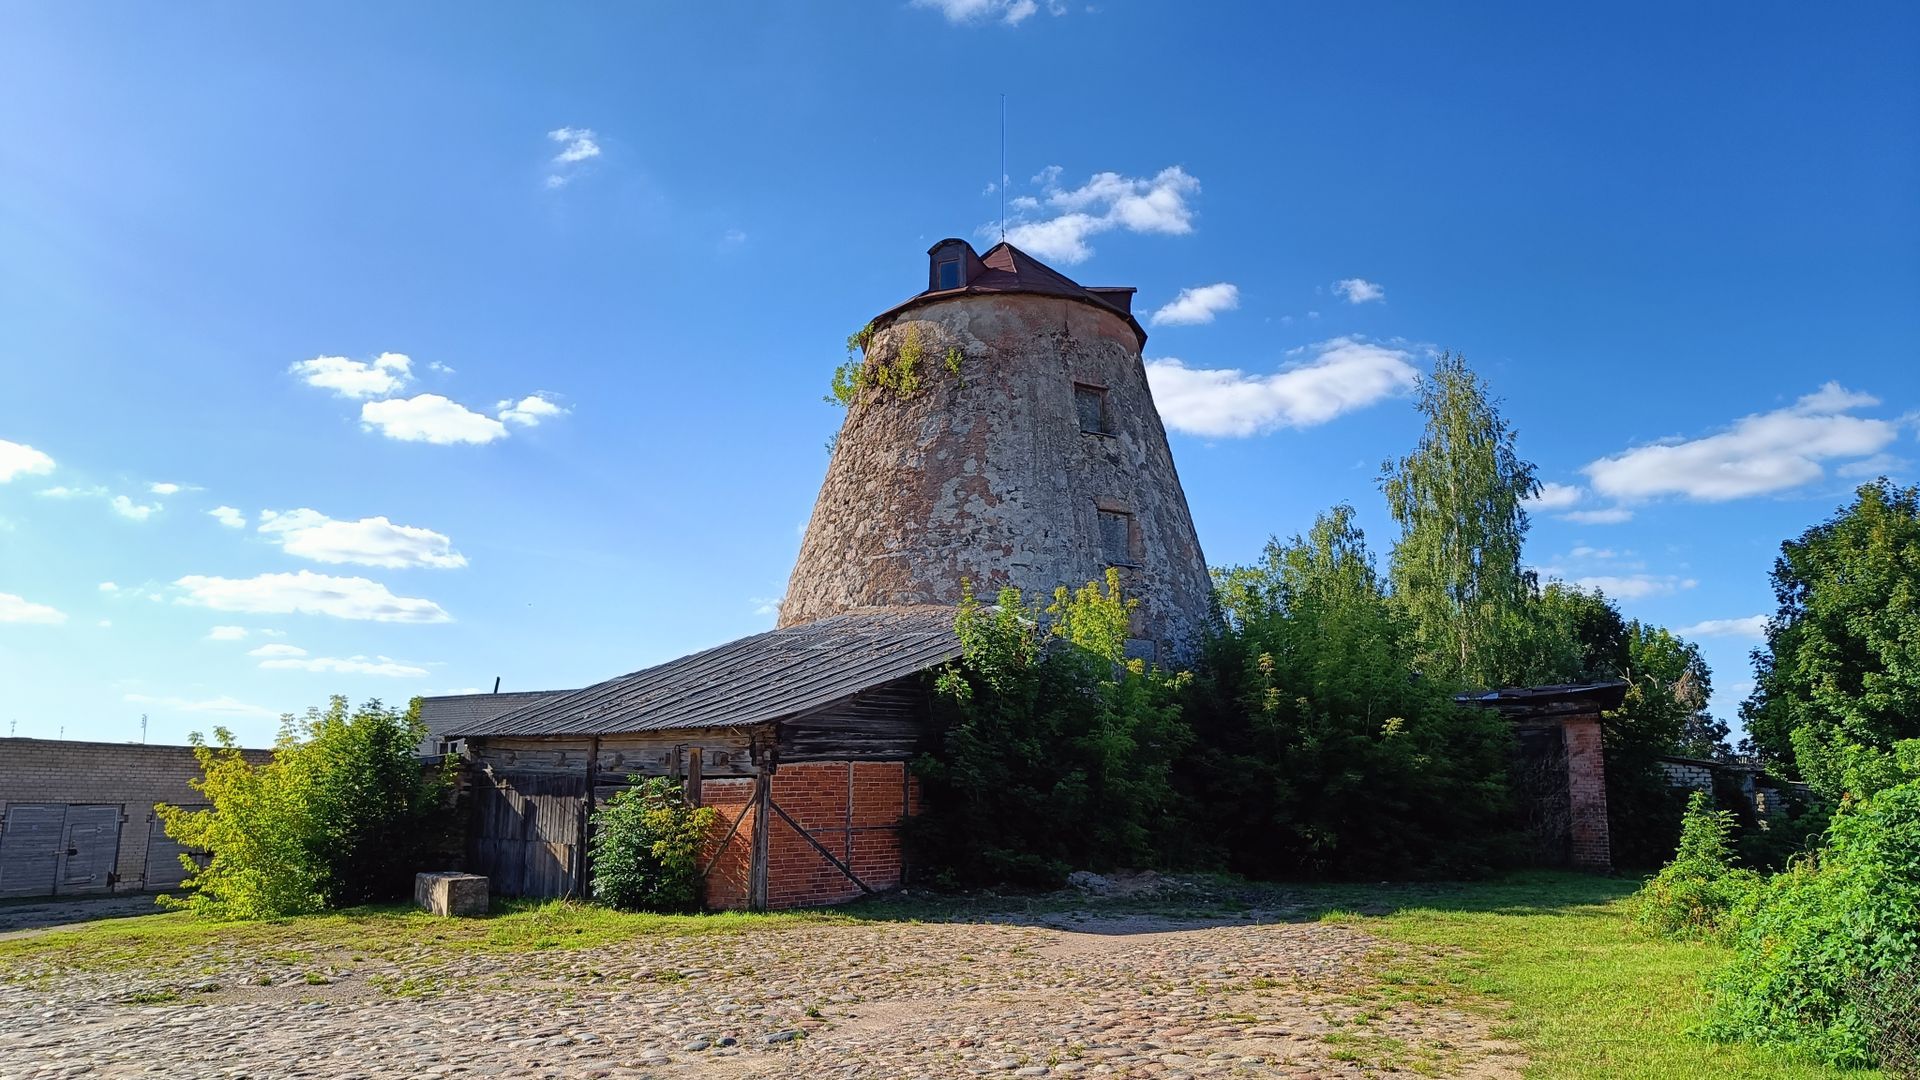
(1551, 954)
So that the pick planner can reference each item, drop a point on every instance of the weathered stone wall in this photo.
(987, 477)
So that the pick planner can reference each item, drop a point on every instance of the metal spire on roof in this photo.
(1003, 168)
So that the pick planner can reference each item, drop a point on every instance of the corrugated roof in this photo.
(1007, 269)
(754, 680)
(1549, 700)
(447, 712)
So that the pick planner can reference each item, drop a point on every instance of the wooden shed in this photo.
(799, 737)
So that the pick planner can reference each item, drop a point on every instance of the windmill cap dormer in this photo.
(955, 269)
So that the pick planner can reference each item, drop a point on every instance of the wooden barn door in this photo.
(527, 831)
(30, 848)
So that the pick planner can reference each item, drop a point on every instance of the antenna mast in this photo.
(1003, 167)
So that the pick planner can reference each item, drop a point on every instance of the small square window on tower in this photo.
(1116, 537)
(1091, 402)
(950, 274)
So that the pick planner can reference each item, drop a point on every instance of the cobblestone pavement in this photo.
(811, 1000)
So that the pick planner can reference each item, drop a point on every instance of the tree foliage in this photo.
(1841, 664)
(1459, 499)
(1319, 752)
(1056, 749)
(342, 814)
(646, 845)
(1694, 896)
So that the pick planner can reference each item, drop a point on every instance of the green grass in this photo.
(173, 940)
(1567, 975)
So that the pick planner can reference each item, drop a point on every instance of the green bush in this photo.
(343, 814)
(646, 848)
(1056, 750)
(1849, 913)
(1695, 894)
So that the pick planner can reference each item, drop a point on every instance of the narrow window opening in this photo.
(1091, 403)
(1116, 537)
(950, 274)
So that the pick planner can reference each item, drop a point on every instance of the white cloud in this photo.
(1198, 305)
(1009, 12)
(310, 593)
(529, 410)
(576, 145)
(1752, 628)
(384, 374)
(765, 605)
(219, 706)
(1106, 202)
(1552, 496)
(352, 665)
(1610, 515)
(1585, 552)
(1359, 290)
(227, 633)
(19, 459)
(131, 510)
(373, 541)
(108, 587)
(64, 492)
(277, 651)
(1344, 375)
(14, 609)
(165, 489)
(1760, 454)
(430, 418)
(1635, 586)
(228, 516)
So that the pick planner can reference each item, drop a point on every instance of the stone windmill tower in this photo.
(1006, 436)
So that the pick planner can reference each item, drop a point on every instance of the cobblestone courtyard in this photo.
(1073, 996)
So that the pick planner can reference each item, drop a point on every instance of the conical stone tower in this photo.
(1006, 437)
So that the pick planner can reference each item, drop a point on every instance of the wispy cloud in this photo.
(385, 374)
(1006, 12)
(309, 593)
(430, 418)
(19, 459)
(227, 633)
(1343, 374)
(576, 145)
(131, 510)
(1059, 225)
(1635, 586)
(1750, 628)
(216, 706)
(15, 609)
(529, 410)
(228, 516)
(1552, 496)
(372, 541)
(1760, 454)
(1198, 305)
(350, 665)
(1606, 515)
(1359, 290)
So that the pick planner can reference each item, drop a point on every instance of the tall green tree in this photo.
(1459, 500)
(1318, 750)
(1841, 664)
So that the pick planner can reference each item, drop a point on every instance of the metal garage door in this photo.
(50, 849)
(30, 848)
(163, 854)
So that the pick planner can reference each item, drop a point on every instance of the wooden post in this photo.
(693, 776)
(587, 806)
(762, 830)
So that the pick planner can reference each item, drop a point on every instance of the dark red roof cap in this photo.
(1007, 269)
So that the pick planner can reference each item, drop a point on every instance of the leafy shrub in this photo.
(1056, 749)
(646, 848)
(1319, 753)
(1694, 895)
(1849, 913)
(342, 814)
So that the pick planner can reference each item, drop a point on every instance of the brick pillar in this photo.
(1587, 793)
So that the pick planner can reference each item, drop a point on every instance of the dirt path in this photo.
(829, 1001)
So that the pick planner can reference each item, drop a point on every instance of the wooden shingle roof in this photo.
(754, 680)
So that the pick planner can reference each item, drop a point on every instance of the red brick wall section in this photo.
(728, 884)
(852, 809)
(1587, 793)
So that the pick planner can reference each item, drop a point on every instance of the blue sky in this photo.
(384, 349)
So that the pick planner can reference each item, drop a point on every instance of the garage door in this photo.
(30, 848)
(163, 855)
(91, 849)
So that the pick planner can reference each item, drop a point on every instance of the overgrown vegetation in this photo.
(343, 814)
(1057, 748)
(1695, 895)
(903, 376)
(646, 847)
